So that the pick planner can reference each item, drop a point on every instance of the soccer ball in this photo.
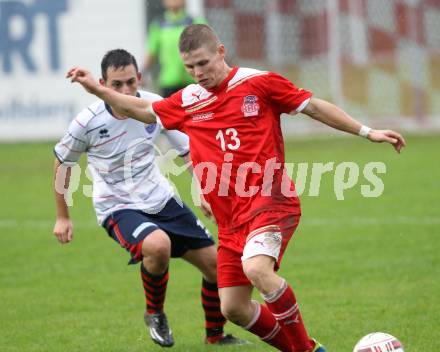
(378, 342)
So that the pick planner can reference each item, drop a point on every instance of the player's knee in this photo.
(234, 312)
(257, 275)
(157, 247)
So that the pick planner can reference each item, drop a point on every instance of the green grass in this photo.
(357, 265)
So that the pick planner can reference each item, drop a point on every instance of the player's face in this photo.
(206, 66)
(124, 80)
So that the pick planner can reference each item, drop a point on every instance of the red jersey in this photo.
(236, 143)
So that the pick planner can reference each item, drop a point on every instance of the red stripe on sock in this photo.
(154, 290)
(214, 314)
(266, 327)
(211, 308)
(209, 293)
(156, 282)
(285, 308)
(152, 286)
(214, 325)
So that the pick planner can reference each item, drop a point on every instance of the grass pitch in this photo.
(357, 265)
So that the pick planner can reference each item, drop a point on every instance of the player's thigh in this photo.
(229, 268)
(205, 259)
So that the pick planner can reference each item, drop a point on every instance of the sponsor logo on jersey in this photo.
(202, 116)
(250, 106)
(150, 127)
(103, 133)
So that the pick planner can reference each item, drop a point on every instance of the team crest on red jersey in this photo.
(250, 106)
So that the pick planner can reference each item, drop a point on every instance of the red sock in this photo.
(214, 320)
(155, 287)
(282, 303)
(264, 325)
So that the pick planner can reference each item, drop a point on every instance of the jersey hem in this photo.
(102, 218)
(240, 223)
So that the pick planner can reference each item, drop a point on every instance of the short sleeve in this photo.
(170, 111)
(285, 95)
(69, 149)
(178, 140)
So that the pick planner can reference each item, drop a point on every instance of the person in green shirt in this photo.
(162, 47)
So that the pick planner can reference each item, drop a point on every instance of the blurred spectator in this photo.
(162, 47)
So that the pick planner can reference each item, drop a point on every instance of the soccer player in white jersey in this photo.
(232, 117)
(135, 203)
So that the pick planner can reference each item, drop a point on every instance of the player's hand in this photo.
(83, 77)
(206, 209)
(63, 230)
(387, 136)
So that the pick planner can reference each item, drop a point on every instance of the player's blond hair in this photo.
(195, 36)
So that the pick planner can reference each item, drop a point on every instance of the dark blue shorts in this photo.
(129, 227)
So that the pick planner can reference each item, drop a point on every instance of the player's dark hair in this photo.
(196, 35)
(117, 58)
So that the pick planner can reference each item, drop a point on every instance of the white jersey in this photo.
(121, 158)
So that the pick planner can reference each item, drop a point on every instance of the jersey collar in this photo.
(225, 82)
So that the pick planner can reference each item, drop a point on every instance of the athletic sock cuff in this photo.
(209, 285)
(152, 276)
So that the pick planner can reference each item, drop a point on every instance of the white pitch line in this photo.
(404, 220)
(11, 223)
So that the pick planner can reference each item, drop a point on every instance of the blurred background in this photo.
(378, 59)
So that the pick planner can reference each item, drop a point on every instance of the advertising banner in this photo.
(39, 41)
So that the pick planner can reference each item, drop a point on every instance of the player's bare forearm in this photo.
(60, 181)
(127, 105)
(124, 105)
(332, 116)
(335, 117)
(63, 228)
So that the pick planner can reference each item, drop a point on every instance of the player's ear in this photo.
(139, 76)
(221, 50)
(101, 82)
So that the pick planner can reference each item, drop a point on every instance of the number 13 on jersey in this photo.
(228, 139)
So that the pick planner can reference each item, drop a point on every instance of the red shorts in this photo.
(232, 242)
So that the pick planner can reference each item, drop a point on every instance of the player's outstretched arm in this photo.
(335, 117)
(63, 228)
(124, 105)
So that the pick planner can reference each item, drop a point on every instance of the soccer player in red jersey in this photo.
(232, 116)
